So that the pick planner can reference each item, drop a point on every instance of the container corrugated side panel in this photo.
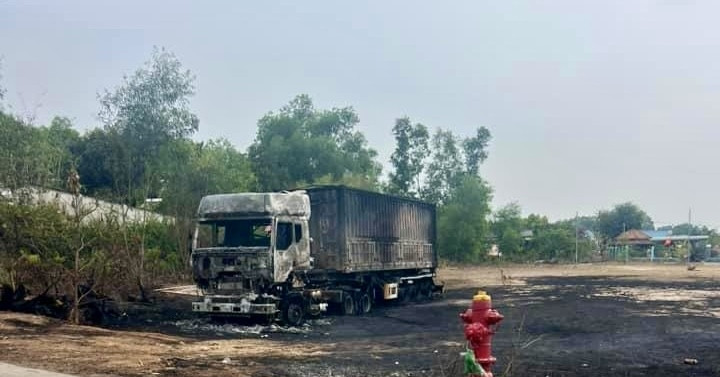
(387, 233)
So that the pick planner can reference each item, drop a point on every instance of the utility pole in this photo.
(576, 238)
(688, 234)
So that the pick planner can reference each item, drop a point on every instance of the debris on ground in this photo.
(205, 326)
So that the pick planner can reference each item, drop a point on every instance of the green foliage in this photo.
(689, 229)
(61, 141)
(452, 160)
(411, 150)
(475, 149)
(445, 171)
(535, 238)
(151, 106)
(462, 222)
(148, 111)
(301, 144)
(162, 255)
(39, 247)
(37, 156)
(622, 217)
(507, 226)
(555, 242)
(99, 161)
(187, 171)
(222, 168)
(32, 238)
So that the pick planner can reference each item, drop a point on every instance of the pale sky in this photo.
(590, 103)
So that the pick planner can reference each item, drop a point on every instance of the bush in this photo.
(51, 253)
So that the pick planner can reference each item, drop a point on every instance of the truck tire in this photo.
(364, 303)
(294, 313)
(426, 291)
(348, 304)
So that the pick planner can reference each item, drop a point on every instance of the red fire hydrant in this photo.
(480, 322)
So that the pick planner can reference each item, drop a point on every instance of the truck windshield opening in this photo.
(235, 233)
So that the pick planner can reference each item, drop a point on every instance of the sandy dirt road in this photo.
(587, 320)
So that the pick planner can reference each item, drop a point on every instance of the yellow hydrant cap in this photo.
(481, 296)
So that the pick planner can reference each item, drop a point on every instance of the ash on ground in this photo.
(206, 326)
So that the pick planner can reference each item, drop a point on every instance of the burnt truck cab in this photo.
(245, 249)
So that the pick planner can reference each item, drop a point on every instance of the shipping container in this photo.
(354, 230)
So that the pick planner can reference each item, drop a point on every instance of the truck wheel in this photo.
(426, 291)
(364, 304)
(294, 314)
(348, 304)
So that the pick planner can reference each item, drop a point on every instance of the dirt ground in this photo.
(586, 320)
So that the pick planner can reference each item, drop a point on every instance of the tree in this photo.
(99, 162)
(445, 171)
(27, 158)
(300, 144)
(507, 227)
(585, 223)
(61, 142)
(556, 241)
(475, 150)
(150, 109)
(189, 170)
(689, 229)
(453, 159)
(462, 221)
(411, 150)
(622, 217)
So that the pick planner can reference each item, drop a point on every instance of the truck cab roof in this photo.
(253, 204)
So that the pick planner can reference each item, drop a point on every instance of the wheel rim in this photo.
(294, 314)
(348, 305)
(365, 303)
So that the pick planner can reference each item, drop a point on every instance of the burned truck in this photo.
(296, 254)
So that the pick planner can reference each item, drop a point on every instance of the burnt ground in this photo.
(559, 321)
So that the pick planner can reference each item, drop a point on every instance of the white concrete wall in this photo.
(92, 209)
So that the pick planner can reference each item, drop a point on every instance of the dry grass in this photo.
(480, 276)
